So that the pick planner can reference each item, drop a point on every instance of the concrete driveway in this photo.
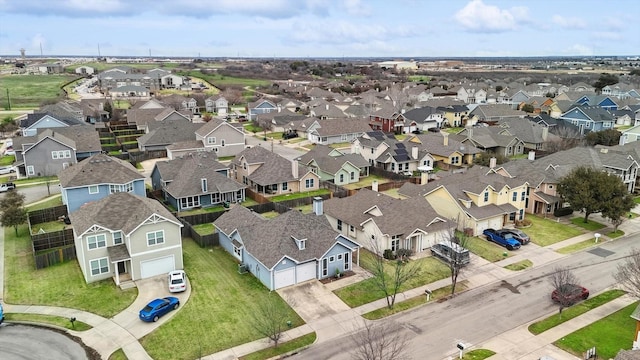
(312, 300)
(149, 289)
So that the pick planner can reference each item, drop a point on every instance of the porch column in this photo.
(117, 274)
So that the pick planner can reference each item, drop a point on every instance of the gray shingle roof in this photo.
(273, 169)
(99, 169)
(169, 131)
(332, 164)
(120, 211)
(270, 240)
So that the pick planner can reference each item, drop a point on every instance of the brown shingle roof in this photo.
(98, 169)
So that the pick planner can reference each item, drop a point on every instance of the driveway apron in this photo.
(312, 300)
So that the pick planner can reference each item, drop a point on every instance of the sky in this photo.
(320, 28)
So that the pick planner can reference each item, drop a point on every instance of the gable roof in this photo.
(168, 132)
(334, 127)
(322, 155)
(273, 167)
(99, 169)
(35, 117)
(108, 213)
(271, 240)
(213, 124)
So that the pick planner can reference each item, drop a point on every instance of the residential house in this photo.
(326, 111)
(221, 137)
(388, 119)
(217, 104)
(495, 112)
(621, 91)
(533, 135)
(477, 199)
(97, 177)
(335, 166)
(630, 135)
(179, 102)
(260, 106)
(379, 222)
(66, 109)
(455, 115)
(85, 70)
(332, 131)
(589, 118)
(196, 180)
(425, 118)
(184, 148)
(93, 110)
(493, 139)
(161, 134)
(126, 237)
(35, 121)
(52, 150)
(372, 144)
(130, 92)
(287, 250)
(603, 101)
(446, 153)
(268, 173)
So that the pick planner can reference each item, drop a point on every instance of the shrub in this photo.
(388, 254)
(523, 223)
(404, 253)
(562, 211)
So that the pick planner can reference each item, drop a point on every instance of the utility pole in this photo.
(8, 100)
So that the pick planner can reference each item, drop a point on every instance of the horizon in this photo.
(334, 29)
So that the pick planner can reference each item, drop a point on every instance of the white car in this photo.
(177, 281)
(7, 169)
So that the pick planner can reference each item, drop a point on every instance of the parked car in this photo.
(289, 135)
(504, 239)
(7, 186)
(7, 169)
(518, 235)
(451, 252)
(1, 314)
(177, 281)
(158, 307)
(569, 294)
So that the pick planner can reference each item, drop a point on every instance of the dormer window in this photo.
(203, 182)
(302, 244)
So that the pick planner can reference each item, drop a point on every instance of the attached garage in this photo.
(495, 223)
(306, 272)
(157, 266)
(284, 278)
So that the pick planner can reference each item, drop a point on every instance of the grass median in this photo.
(574, 311)
(283, 348)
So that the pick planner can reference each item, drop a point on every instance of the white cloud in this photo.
(357, 8)
(579, 49)
(477, 16)
(566, 22)
(344, 32)
(607, 35)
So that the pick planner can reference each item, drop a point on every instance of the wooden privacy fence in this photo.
(203, 218)
(53, 257)
(46, 215)
(52, 240)
(207, 240)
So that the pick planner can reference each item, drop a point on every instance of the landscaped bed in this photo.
(219, 312)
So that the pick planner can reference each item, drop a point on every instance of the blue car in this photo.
(158, 307)
(505, 239)
(1, 314)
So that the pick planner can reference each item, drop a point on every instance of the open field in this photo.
(29, 91)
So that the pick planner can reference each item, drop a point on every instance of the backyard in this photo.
(218, 313)
(29, 91)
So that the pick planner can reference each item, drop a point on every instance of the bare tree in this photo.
(380, 341)
(628, 274)
(458, 258)
(565, 290)
(271, 317)
(398, 96)
(389, 275)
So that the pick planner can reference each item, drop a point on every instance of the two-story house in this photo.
(221, 137)
(589, 118)
(335, 166)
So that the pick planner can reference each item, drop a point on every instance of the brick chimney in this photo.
(493, 162)
(445, 140)
(414, 152)
(294, 169)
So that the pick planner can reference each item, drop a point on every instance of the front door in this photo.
(121, 267)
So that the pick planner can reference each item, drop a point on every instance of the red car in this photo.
(569, 294)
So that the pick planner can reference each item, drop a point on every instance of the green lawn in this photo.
(544, 232)
(520, 265)
(221, 81)
(291, 345)
(59, 321)
(60, 285)
(54, 200)
(574, 311)
(252, 128)
(363, 292)
(6, 160)
(590, 225)
(578, 246)
(299, 195)
(29, 91)
(487, 250)
(608, 335)
(51, 226)
(118, 355)
(366, 181)
(218, 313)
(204, 229)
(478, 354)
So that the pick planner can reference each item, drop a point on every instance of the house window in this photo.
(455, 160)
(325, 267)
(244, 166)
(31, 170)
(285, 186)
(189, 202)
(339, 256)
(515, 196)
(96, 241)
(215, 198)
(211, 140)
(347, 262)
(341, 178)
(486, 196)
(236, 250)
(61, 154)
(203, 185)
(308, 183)
(524, 194)
(332, 259)
(339, 225)
(93, 189)
(393, 167)
(353, 175)
(352, 228)
(115, 188)
(512, 216)
(395, 242)
(521, 215)
(155, 237)
(99, 266)
(117, 238)
(222, 142)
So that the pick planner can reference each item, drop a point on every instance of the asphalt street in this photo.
(22, 342)
(36, 192)
(482, 313)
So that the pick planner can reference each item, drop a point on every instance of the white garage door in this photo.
(284, 278)
(305, 272)
(495, 223)
(158, 266)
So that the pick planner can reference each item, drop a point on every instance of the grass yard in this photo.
(285, 347)
(366, 291)
(299, 195)
(608, 335)
(29, 91)
(58, 321)
(7, 160)
(59, 285)
(54, 200)
(578, 246)
(520, 265)
(118, 355)
(204, 229)
(487, 249)
(574, 311)
(218, 313)
(590, 225)
(221, 81)
(615, 234)
(366, 181)
(47, 227)
(394, 193)
(437, 294)
(478, 354)
(544, 232)
(252, 128)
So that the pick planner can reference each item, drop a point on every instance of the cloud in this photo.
(607, 35)
(67, 8)
(579, 49)
(568, 22)
(357, 8)
(477, 16)
(345, 32)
